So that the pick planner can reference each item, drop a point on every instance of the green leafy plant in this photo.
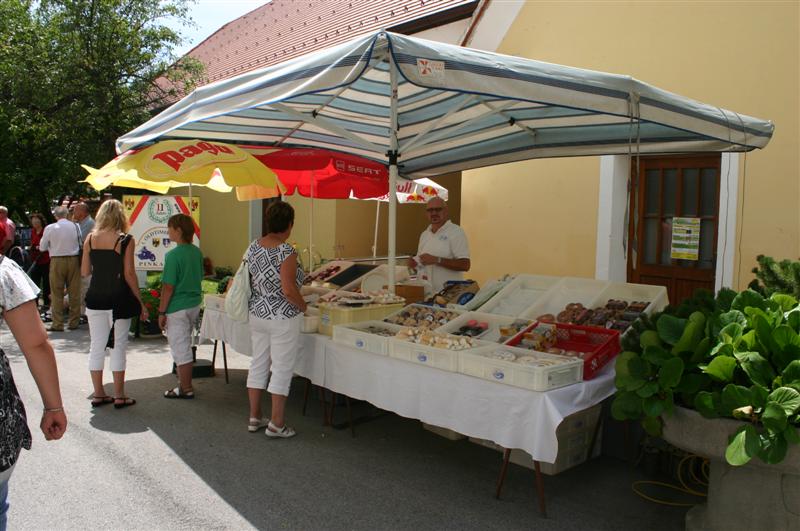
(776, 277)
(736, 355)
(222, 272)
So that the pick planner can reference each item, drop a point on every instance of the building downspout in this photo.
(476, 18)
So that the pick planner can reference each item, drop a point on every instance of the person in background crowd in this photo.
(62, 239)
(10, 229)
(2, 237)
(40, 266)
(181, 295)
(443, 251)
(108, 259)
(276, 312)
(80, 215)
(17, 303)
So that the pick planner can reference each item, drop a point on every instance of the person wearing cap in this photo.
(443, 251)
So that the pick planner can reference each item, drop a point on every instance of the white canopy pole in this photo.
(393, 155)
(375, 238)
(311, 229)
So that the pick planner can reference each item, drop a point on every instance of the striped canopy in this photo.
(455, 109)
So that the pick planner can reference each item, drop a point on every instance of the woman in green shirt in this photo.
(181, 295)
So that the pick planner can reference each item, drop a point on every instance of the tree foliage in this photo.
(75, 75)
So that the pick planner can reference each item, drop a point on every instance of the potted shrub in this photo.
(151, 298)
(721, 378)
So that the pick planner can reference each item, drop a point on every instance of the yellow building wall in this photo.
(541, 216)
(223, 226)
(355, 222)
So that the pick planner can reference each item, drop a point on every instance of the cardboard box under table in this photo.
(578, 439)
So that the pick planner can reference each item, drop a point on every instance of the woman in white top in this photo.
(18, 296)
(276, 310)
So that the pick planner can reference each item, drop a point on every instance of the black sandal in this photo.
(98, 401)
(177, 393)
(126, 401)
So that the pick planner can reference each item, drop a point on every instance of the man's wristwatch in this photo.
(439, 260)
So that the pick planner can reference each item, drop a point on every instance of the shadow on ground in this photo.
(393, 474)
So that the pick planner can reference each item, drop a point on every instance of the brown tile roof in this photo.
(283, 29)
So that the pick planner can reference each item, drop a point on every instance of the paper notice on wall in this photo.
(148, 216)
(685, 238)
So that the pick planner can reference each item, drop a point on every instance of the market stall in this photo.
(434, 108)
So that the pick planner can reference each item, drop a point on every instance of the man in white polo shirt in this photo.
(443, 250)
(63, 239)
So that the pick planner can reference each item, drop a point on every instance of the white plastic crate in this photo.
(519, 295)
(452, 313)
(440, 358)
(655, 295)
(568, 290)
(310, 323)
(492, 333)
(484, 295)
(356, 336)
(563, 371)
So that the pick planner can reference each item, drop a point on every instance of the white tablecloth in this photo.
(216, 325)
(510, 416)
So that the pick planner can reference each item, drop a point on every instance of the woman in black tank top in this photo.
(111, 300)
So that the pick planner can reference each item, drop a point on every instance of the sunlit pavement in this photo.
(191, 464)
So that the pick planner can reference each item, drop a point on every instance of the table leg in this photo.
(324, 406)
(540, 488)
(349, 416)
(503, 470)
(330, 411)
(225, 361)
(305, 395)
(214, 355)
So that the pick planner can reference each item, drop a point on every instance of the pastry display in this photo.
(354, 299)
(510, 330)
(321, 275)
(424, 336)
(378, 331)
(472, 329)
(503, 355)
(385, 297)
(421, 317)
(616, 314)
(541, 338)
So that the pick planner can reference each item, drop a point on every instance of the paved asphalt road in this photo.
(191, 464)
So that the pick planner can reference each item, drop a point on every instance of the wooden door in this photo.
(670, 187)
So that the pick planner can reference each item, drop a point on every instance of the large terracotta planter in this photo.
(756, 496)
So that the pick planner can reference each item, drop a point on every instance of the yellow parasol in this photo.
(175, 163)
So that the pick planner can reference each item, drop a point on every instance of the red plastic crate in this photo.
(600, 345)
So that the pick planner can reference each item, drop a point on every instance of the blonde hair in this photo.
(111, 216)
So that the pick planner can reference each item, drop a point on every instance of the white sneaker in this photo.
(256, 424)
(276, 432)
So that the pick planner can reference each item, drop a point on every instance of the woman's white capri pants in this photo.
(100, 322)
(275, 344)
